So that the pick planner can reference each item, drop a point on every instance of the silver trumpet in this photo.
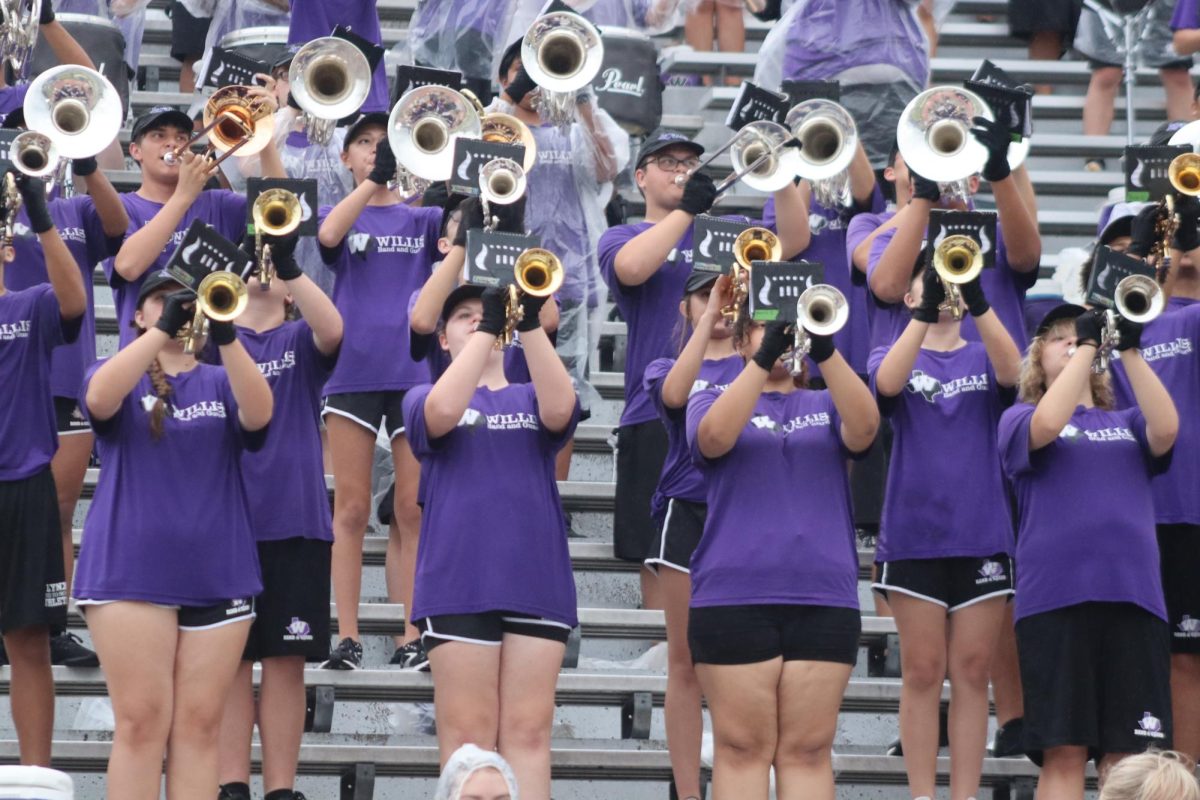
(934, 137)
(423, 127)
(330, 80)
(1137, 298)
(562, 53)
(829, 139)
(502, 182)
(18, 32)
(821, 310)
(76, 107)
(34, 154)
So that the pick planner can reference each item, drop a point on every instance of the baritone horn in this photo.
(236, 122)
(221, 296)
(276, 212)
(33, 154)
(76, 107)
(18, 32)
(562, 53)
(956, 260)
(423, 127)
(752, 244)
(934, 136)
(821, 310)
(538, 273)
(330, 79)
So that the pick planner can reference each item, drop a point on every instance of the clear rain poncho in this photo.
(647, 16)
(465, 762)
(234, 15)
(462, 35)
(876, 49)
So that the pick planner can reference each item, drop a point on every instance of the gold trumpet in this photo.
(538, 273)
(235, 121)
(276, 213)
(1184, 174)
(957, 260)
(752, 244)
(496, 126)
(221, 296)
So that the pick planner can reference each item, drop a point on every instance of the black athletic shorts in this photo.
(194, 618)
(678, 535)
(369, 409)
(69, 418)
(1179, 554)
(641, 451)
(750, 634)
(293, 609)
(188, 34)
(951, 583)
(33, 586)
(488, 628)
(1095, 675)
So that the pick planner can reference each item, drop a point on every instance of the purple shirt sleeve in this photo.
(1187, 15)
(611, 242)
(1013, 437)
(697, 407)
(414, 421)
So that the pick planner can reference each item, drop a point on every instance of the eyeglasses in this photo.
(672, 164)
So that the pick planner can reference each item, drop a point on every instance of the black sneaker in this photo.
(1010, 739)
(67, 650)
(411, 655)
(347, 655)
(233, 791)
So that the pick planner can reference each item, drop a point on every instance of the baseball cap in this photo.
(1163, 133)
(158, 117)
(14, 119)
(369, 118)
(660, 139)
(468, 291)
(1064, 311)
(699, 279)
(156, 281)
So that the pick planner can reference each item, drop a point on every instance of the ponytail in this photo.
(163, 389)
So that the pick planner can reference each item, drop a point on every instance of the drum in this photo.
(628, 87)
(35, 783)
(102, 40)
(261, 44)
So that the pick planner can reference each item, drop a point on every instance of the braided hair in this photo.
(163, 389)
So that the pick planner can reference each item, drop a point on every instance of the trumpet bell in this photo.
(756, 244)
(507, 129)
(562, 52)
(934, 134)
(1184, 174)
(538, 272)
(277, 212)
(822, 310)
(958, 259)
(765, 138)
(828, 137)
(501, 181)
(76, 107)
(330, 78)
(1139, 298)
(238, 120)
(33, 154)
(423, 127)
(221, 296)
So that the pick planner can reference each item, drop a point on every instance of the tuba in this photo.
(956, 260)
(934, 136)
(562, 53)
(235, 121)
(76, 107)
(18, 32)
(423, 127)
(330, 80)
(752, 244)
(34, 154)
(276, 212)
(537, 272)
(821, 310)
(221, 296)
(828, 139)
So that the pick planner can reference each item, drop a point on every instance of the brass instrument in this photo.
(752, 244)
(562, 53)
(12, 204)
(956, 260)
(496, 126)
(76, 107)
(829, 139)
(33, 154)
(235, 121)
(538, 273)
(221, 296)
(821, 310)
(276, 212)
(760, 157)
(1184, 174)
(19, 21)
(934, 137)
(330, 80)
(423, 127)
(501, 181)
(1137, 298)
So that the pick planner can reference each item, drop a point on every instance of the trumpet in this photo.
(501, 181)
(33, 154)
(18, 32)
(330, 79)
(12, 204)
(760, 156)
(276, 212)
(821, 310)
(828, 139)
(76, 107)
(934, 136)
(562, 53)
(956, 260)
(1137, 298)
(496, 126)
(221, 296)
(423, 127)
(752, 244)
(235, 121)
(1184, 174)
(538, 273)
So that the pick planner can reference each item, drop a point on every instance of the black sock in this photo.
(280, 794)
(234, 791)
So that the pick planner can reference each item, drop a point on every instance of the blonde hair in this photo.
(1032, 384)
(1152, 775)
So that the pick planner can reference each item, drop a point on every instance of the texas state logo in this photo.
(927, 386)
(1070, 433)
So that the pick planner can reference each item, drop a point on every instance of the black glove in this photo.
(472, 217)
(925, 189)
(384, 170)
(47, 13)
(1142, 231)
(1187, 235)
(82, 167)
(821, 349)
(510, 217)
(972, 293)
(776, 341)
(532, 308)
(177, 311)
(1089, 328)
(932, 296)
(222, 333)
(996, 138)
(283, 256)
(520, 86)
(33, 196)
(495, 301)
(1131, 334)
(699, 194)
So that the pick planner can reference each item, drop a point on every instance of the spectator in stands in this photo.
(66, 51)
(1048, 26)
(189, 33)
(1152, 776)
(1097, 39)
(474, 774)
(495, 602)
(92, 225)
(33, 599)
(381, 251)
(1185, 27)
(774, 621)
(715, 22)
(646, 266)
(707, 358)
(291, 523)
(947, 577)
(168, 567)
(1091, 623)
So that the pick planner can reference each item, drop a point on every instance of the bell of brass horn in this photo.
(562, 52)
(18, 32)
(1139, 298)
(828, 138)
(760, 159)
(330, 80)
(276, 212)
(822, 310)
(756, 244)
(501, 181)
(76, 107)
(507, 129)
(934, 134)
(33, 154)
(221, 296)
(423, 127)
(957, 260)
(1184, 174)
(238, 121)
(538, 272)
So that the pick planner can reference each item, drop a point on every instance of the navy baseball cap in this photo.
(467, 291)
(700, 279)
(1065, 311)
(158, 117)
(370, 118)
(660, 139)
(1163, 133)
(156, 281)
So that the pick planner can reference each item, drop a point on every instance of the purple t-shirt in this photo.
(650, 312)
(1085, 511)
(779, 527)
(82, 231)
(312, 19)
(170, 522)
(1187, 15)
(1170, 344)
(31, 325)
(945, 493)
(220, 208)
(680, 478)
(387, 255)
(829, 227)
(286, 478)
(476, 553)
(12, 98)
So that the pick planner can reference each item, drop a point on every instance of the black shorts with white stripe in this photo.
(488, 628)
(953, 583)
(678, 536)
